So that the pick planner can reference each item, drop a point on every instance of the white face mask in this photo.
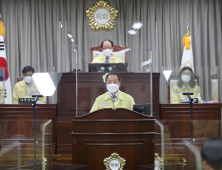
(112, 88)
(28, 79)
(107, 52)
(185, 78)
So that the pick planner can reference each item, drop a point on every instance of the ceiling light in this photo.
(137, 25)
(132, 32)
(69, 35)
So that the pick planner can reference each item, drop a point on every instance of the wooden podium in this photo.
(99, 134)
(90, 86)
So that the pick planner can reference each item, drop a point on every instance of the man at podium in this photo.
(114, 98)
(107, 57)
(26, 87)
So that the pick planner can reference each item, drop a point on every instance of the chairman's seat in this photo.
(117, 52)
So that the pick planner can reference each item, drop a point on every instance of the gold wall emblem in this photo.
(114, 162)
(157, 162)
(101, 16)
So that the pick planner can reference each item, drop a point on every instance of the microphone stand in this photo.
(191, 113)
(76, 84)
(34, 127)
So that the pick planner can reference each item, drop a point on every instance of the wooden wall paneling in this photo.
(64, 137)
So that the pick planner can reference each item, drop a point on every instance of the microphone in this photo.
(121, 62)
(90, 62)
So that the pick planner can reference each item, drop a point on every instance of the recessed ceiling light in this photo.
(69, 35)
(137, 25)
(132, 32)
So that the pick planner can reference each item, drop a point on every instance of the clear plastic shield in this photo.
(17, 148)
(159, 146)
(214, 84)
(2, 85)
(10, 156)
(47, 145)
(208, 79)
(43, 84)
(132, 57)
(177, 151)
(180, 82)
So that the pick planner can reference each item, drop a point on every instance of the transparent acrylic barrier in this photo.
(22, 155)
(214, 84)
(159, 145)
(135, 61)
(2, 85)
(206, 78)
(43, 84)
(10, 156)
(181, 81)
(177, 148)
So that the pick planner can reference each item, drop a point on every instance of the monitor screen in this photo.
(108, 67)
(142, 108)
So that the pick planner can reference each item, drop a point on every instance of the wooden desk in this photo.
(24, 112)
(178, 115)
(90, 86)
(99, 134)
(176, 120)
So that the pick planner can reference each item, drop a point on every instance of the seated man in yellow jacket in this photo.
(107, 57)
(26, 87)
(114, 98)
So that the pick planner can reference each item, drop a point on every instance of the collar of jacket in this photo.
(188, 87)
(103, 58)
(120, 96)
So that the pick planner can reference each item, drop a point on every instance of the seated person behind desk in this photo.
(186, 83)
(21, 87)
(107, 57)
(121, 99)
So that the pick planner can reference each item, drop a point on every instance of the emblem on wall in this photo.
(102, 16)
(157, 162)
(114, 162)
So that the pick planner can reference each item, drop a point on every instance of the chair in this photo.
(116, 53)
